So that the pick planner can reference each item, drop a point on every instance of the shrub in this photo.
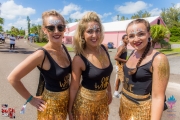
(174, 38)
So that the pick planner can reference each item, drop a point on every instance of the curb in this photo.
(172, 54)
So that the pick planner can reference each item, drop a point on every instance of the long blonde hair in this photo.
(79, 33)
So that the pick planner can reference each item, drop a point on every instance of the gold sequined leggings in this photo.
(56, 108)
(90, 105)
(131, 111)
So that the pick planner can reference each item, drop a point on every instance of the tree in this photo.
(1, 23)
(171, 16)
(141, 14)
(158, 33)
(122, 18)
(28, 20)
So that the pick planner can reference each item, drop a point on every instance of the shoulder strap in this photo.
(105, 51)
(155, 55)
(69, 57)
(44, 55)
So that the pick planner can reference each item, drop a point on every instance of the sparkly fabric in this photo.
(56, 108)
(120, 71)
(91, 105)
(131, 111)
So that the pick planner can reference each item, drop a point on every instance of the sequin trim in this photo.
(56, 108)
(87, 108)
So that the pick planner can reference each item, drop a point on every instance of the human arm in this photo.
(119, 52)
(160, 80)
(109, 93)
(77, 67)
(23, 69)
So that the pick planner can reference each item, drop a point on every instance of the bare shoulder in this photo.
(77, 60)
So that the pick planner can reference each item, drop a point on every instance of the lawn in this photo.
(42, 44)
(174, 42)
(169, 51)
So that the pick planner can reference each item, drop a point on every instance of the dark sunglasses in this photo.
(51, 28)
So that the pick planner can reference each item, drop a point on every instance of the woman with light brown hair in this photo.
(90, 97)
(146, 76)
(54, 63)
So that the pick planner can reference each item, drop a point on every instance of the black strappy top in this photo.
(94, 78)
(56, 78)
(139, 83)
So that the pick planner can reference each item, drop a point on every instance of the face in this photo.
(125, 40)
(92, 34)
(138, 36)
(54, 28)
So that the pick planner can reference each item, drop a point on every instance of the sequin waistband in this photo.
(55, 95)
(134, 95)
(92, 94)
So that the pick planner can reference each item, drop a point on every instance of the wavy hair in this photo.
(79, 33)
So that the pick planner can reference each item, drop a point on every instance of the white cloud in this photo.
(70, 8)
(37, 21)
(106, 14)
(10, 10)
(155, 12)
(132, 7)
(77, 15)
(177, 5)
(20, 23)
(114, 18)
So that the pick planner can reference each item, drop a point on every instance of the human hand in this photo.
(38, 103)
(109, 98)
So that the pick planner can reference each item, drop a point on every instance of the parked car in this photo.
(110, 45)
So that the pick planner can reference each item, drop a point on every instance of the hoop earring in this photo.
(83, 41)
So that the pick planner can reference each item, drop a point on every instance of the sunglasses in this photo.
(51, 28)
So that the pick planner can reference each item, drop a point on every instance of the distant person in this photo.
(3, 38)
(12, 43)
(54, 63)
(120, 58)
(146, 75)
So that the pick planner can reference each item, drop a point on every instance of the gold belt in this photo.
(54, 95)
(92, 94)
(134, 95)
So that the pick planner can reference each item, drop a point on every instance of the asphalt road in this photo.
(8, 60)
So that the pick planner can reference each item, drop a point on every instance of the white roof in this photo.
(121, 25)
(69, 33)
(112, 26)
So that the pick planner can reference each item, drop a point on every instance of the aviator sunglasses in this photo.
(51, 28)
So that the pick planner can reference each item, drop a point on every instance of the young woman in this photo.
(120, 58)
(89, 98)
(146, 76)
(54, 63)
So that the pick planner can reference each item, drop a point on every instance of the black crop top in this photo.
(94, 78)
(139, 83)
(56, 78)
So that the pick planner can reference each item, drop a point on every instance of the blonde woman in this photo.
(54, 63)
(89, 99)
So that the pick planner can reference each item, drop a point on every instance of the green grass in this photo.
(174, 42)
(42, 44)
(169, 51)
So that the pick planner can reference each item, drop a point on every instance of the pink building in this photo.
(113, 31)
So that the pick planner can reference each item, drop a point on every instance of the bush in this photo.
(174, 38)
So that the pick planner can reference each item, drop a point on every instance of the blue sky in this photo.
(15, 12)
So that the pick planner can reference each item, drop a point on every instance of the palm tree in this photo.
(158, 33)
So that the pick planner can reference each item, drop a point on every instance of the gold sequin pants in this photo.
(120, 71)
(56, 107)
(131, 111)
(90, 105)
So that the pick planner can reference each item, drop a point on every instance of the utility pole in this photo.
(28, 24)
